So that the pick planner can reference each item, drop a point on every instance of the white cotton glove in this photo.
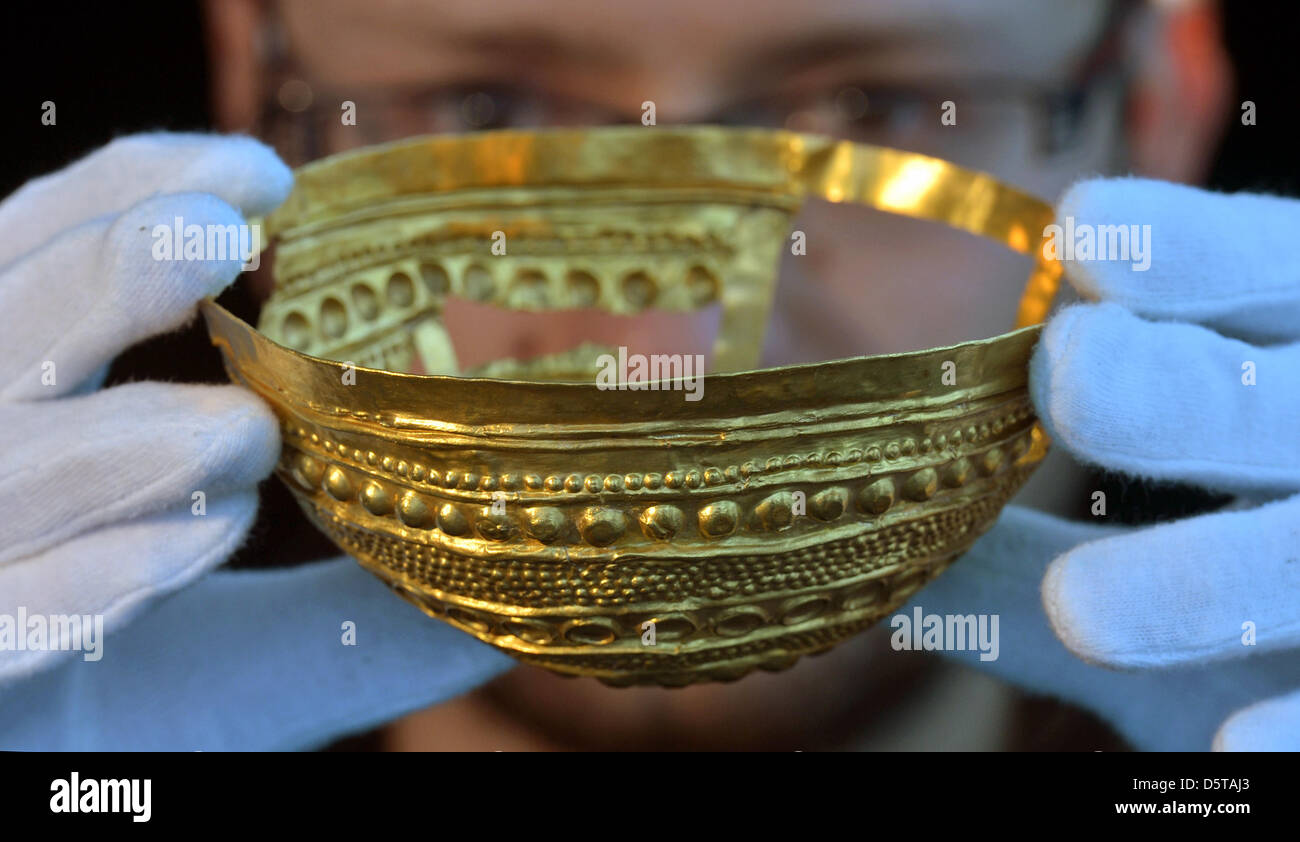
(1151, 381)
(251, 661)
(97, 489)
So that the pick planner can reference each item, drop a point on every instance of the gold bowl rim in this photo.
(786, 166)
(874, 379)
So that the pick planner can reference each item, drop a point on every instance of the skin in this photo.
(870, 282)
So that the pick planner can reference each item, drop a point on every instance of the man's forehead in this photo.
(1040, 40)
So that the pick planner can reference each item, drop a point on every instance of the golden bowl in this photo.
(630, 535)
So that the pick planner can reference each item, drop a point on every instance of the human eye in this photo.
(930, 119)
(484, 107)
(858, 112)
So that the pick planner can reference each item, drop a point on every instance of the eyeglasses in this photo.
(305, 121)
(973, 124)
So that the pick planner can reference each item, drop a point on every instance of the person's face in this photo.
(1039, 101)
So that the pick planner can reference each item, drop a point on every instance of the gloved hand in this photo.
(97, 490)
(1150, 381)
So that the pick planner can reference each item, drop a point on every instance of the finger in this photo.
(114, 455)
(1272, 725)
(114, 571)
(1208, 588)
(1226, 261)
(277, 670)
(240, 170)
(1169, 400)
(76, 302)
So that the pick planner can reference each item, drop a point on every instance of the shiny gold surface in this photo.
(780, 513)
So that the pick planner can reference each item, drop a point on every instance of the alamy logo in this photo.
(639, 372)
(53, 632)
(102, 795)
(946, 633)
(179, 241)
(1130, 243)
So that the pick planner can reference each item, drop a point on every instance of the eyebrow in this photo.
(828, 48)
(531, 47)
(766, 64)
(521, 52)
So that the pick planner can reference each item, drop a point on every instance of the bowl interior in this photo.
(372, 244)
